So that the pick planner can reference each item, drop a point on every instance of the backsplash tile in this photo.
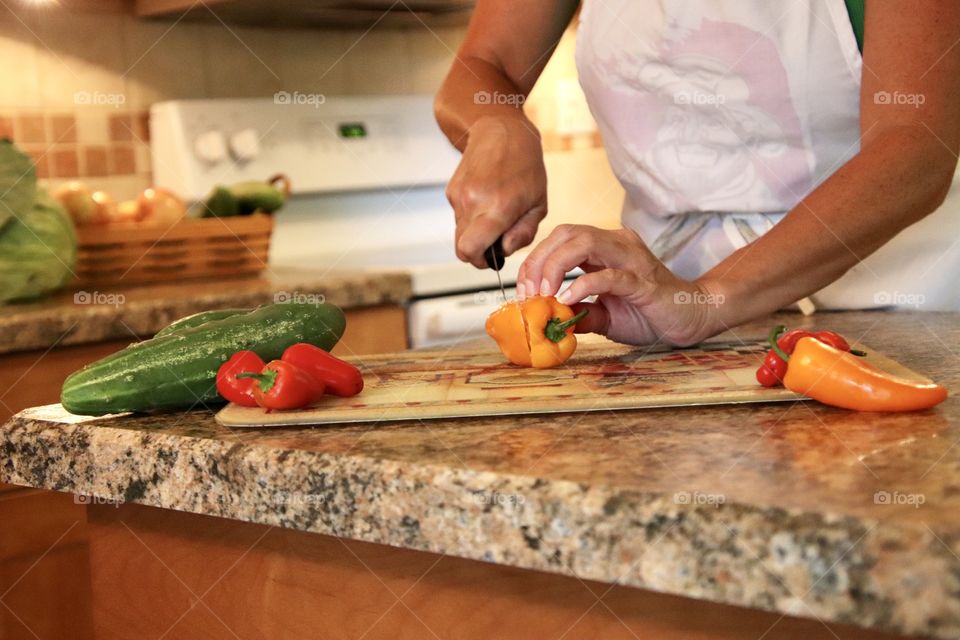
(30, 128)
(95, 144)
(121, 127)
(65, 163)
(94, 163)
(63, 128)
(121, 160)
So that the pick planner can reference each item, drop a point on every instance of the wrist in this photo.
(719, 299)
(509, 123)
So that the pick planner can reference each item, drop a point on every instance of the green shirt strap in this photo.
(856, 10)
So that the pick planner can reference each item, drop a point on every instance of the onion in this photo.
(159, 206)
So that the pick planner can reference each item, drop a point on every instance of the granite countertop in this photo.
(791, 507)
(84, 316)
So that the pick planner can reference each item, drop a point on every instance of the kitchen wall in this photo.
(78, 83)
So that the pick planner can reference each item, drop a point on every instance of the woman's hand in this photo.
(499, 188)
(640, 301)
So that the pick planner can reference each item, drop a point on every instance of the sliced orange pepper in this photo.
(840, 379)
(536, 332)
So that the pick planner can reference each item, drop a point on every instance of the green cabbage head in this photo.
(38, 250)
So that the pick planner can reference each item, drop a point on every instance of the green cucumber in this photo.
(197, 319)
(179, 370)
(221, 203)
(257, 196)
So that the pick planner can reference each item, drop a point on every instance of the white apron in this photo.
(719, 116)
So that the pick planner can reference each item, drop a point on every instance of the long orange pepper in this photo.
(536, 332)
(840, 379)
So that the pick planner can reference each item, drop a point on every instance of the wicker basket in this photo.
(205, 248)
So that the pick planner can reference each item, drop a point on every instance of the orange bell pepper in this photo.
(536, 332)
(840, 379)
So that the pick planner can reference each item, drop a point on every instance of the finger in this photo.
(532, 268)
(524, 230)
(478, 234)
(609, 281)
(596, 321)
(576, 252)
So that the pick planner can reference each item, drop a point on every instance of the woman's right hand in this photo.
(499, 188)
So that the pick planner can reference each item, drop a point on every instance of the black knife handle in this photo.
(494, 255)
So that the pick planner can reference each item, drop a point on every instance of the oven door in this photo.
(453, 319)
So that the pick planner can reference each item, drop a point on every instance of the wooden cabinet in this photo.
(160, 573)
(44, 566)
(356, 14)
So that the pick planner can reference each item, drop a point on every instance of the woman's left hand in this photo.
(640, 301)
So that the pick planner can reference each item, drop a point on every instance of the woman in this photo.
(763, 157)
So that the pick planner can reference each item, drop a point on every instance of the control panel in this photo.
(329, 145)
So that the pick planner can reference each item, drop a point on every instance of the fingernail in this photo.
(545, 288)
(529, 288)
(565, 297)
(520, 291)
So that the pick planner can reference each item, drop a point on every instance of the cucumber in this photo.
(197, 319)
(221, 203)
(178, 371)
(257, 196)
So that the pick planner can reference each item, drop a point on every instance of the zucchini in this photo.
(197, 319)
(178, 371)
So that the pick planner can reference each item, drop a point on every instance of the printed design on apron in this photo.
(714, 128)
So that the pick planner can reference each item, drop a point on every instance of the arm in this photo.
(901, 174)
(500, 185)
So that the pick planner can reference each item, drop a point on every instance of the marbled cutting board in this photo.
(600, 376)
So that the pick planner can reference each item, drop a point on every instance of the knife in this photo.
(495, 260)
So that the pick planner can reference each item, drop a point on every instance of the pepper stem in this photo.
(556, 329)
(775, 333)
(266, 379)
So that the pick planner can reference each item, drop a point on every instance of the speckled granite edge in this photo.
(40, 326)
(842, 569)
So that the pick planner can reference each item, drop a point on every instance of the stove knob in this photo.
(210, 146)
(245, 145)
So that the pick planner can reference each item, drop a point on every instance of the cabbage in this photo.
(38, 246)
(18, 182)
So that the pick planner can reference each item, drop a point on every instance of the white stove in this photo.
(368, 177)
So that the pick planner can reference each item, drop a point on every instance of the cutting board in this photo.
(601, 376)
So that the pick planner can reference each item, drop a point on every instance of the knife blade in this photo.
(495, 260)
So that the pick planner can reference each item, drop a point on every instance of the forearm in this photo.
(901, 176)
(474, 90)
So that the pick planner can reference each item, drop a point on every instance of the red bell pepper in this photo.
(282, 385)
(341, 378)
(774, 367)
(234, 389)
